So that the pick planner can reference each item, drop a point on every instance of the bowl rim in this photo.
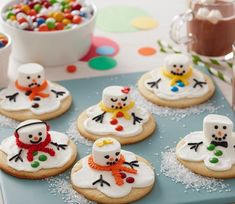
(45, 32)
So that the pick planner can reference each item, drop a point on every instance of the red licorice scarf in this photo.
(115, 168)
(35, 91)
(36, 147)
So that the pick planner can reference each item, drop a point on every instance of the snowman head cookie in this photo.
(106, 151)
(30, 75)
(177, 64)
(116, 97)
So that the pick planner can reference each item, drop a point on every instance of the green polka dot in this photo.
(42, 157)
(102, 63)
(211, 147)
(214, 160)
(35, 164)
(218, 153)
(35, 153)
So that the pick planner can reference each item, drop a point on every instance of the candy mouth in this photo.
(34, 84)
(178, 73)
(220, 137)
(36, 142)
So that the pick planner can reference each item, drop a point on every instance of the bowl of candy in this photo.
(49, 32)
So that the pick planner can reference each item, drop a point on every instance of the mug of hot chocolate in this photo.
(210, 27)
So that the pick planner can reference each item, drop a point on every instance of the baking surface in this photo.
(87, 92)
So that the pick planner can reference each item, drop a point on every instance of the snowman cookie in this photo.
(118, 116)
(112, 175)
(177, 84)
(210, 152)
(34, 152)
(32, 96)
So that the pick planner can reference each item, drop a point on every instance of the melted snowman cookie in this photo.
(112, 175)
(210, 152)
(32, 96)
(34, 152)
(177, 84)
(118, 116)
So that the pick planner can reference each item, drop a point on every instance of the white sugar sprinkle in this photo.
(73, 133)
(173, 169)
(61, 186)
(8, 122)
(175, 113)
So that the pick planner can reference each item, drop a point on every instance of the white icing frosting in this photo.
(27, 74)
(86, 176)
(178, 64)
(213, 126)
(9, 147)
(113, 98)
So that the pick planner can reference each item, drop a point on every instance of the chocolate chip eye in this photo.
(216, 126)
(106, 156)
(224, 127)
(112, 106)
(181, 66)
(39, 133)
(30, 136)
(39, 76)
(117, 153)
(114, 100)
(174, 65)
(28, 77)
(124, 104)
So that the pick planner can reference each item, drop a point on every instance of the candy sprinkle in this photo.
(47, 15)
(71, 68)
(172, 168)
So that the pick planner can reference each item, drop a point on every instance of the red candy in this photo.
(68, 16)
(76, 7)
(119, 114)
(22, 20)
(77, 19)
(123, 175)
(71, 68)
(119, 128)
(43, 28)
(59, 26)
(130, 180)
(114, 121)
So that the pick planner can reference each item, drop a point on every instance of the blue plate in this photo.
(87, 92)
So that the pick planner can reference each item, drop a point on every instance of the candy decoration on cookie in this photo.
(31, 91)
(214, 146)
(176, 80)
(112, 171)
(33, 147)
(117, 114)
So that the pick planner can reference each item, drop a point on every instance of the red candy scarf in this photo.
(116, 169)
(35, 91)
(36, 147)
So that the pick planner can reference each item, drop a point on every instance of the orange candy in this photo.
(59, 26)
(32, 12)
(77, 19)
(68, 16)
(66, 21)
(43, 28)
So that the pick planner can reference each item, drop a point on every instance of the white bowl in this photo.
(56, 48)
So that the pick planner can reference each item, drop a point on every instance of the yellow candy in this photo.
(50, 14)
(2, 37)
(104, 142)
(58, 16)
(25, 8)
(13, 18)
(66, 21)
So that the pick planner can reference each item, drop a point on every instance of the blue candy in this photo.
(40, 21)
(2, 44)
(180, 84)
(174, 89)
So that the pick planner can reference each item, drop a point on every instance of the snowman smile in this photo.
(34, 84)
(178, 73)
(36, 142)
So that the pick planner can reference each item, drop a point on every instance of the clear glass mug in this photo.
(210, 27)
(233, 81)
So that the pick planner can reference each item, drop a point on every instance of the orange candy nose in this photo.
(35, 137)
(34, 80)
(111, 159)
(219, 133)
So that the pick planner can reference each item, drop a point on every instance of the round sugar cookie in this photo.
(125, 191)
(177, 84)
(34, 152)
(210, 152)
(118, 116)
(32, 96)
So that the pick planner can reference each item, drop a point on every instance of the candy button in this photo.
(43, 28)
(119, 128)
(35, 164)
(119, 114)
(214, 160)
(123, 175)
(114, 121)
(130, 180)
(77, 19)
(174, 89)
(35, 153)
(211, 147)
(42, 157)
(218, 153)
(180, 84)
(40, 21)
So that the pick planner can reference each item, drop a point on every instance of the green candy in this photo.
(35, 153)
(42, 157)
(211, 147)
(50, 24)
(35, 164)
(214, 160)
(10, 14)
(37, 8)
(53, 1)
(218, 153)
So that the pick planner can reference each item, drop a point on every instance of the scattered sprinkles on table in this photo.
(48, 15)
(3, 41)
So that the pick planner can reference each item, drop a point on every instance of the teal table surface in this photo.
(87, 92)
